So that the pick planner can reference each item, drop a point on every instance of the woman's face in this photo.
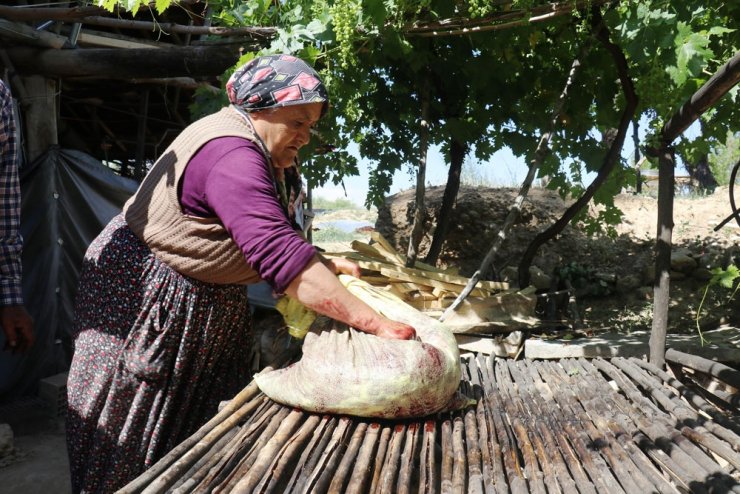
(285, 130)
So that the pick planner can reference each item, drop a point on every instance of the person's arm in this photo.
(319, 289)
(16, 322)
(238, 188)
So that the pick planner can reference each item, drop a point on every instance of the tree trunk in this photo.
(457, 156)
(636, 142)
(420, 212)
(703, 175)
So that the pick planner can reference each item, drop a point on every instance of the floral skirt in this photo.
(155, 353)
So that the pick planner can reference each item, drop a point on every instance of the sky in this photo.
(504, 169)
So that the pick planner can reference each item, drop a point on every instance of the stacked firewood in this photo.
(424, 287)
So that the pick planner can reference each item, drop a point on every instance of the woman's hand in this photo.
(396, 330)
(339, 265)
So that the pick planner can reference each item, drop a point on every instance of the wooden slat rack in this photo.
(570, 426)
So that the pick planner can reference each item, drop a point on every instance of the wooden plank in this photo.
(452, 282)
(386, 248)
(407, 275)
(401, 259)
(107, 40)
(370, 252)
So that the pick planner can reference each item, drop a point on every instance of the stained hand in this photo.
(396, 330)
(18, 328)
(339, 265)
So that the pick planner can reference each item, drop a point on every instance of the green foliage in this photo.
(723, 157)
(333, 204)
(493, 89)
(724, 278)
(332, 234)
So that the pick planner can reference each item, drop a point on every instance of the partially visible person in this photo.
(162, 320)
(17, 324)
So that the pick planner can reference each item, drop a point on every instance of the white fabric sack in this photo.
(348, 372)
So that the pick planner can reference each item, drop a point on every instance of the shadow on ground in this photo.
(39, 463)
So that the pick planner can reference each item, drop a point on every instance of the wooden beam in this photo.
(186, 61)
(29, 14)
(96, 16)
(706, 96)
(27, 34)
(108, 40)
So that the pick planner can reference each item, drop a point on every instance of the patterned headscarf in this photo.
(273, 81)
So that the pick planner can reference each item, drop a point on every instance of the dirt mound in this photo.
(605, 261)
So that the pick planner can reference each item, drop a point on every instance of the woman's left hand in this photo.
(339, 265)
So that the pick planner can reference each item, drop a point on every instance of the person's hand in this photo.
(18, 328)
(339, 265)
(396, 330)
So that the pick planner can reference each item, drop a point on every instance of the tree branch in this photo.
(515, 211)
(611, 158)
(464, 26)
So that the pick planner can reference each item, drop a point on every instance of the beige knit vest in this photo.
(197, 247)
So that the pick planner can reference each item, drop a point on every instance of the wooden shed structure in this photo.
(114, 85)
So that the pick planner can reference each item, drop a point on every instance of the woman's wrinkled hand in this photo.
(340, 265)
(396, 330)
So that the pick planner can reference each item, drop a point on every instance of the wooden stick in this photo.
(566, 459)
(240, 446)
(448, 458)
(385, 437)
(330, 457)
(459, 477)
(602, 413)
(163, 473)
(509, 451)
(271, 481)
(689, 471)
(268, 452)
(409, 458)
(600, 474)
(428, 459)
(715, 369)
(390, 466)
(190, 479)
(337, 484)
(365, 457)
(474, 454)
(725, 432)
(312, 453)
(247, 454)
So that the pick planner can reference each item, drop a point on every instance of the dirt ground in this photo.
(616, 272)
(40, 464)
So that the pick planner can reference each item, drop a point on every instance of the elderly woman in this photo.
(162, 320)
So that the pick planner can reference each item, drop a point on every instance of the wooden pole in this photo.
(134, 63)
(706, 96)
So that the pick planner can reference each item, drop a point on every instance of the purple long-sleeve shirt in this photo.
(229, 178)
